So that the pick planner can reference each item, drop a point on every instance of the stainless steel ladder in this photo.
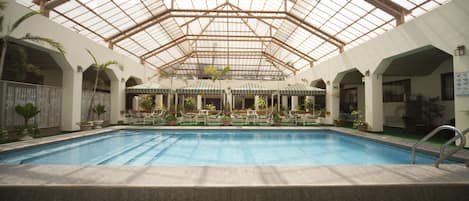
(443, 154)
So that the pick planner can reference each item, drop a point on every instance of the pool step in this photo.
(125, 158)
(46, 152)
(106, 157)
(152, 154)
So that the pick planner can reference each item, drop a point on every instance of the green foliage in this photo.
(309, 104)
(210, 107)
(261, 104)
(215, 73)
(276, 117)
(189, 104)
(99, 110)
(170, 117)
(27, 111)
(23, 18)
(147, 103)
(358, 120)
(3, 5)
(38, 39)
(20, 66)
(226, 118)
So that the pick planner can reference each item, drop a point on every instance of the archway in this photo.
(319, 101)
(131, 81)
(412, 80)
(351, 93)
(102, 95)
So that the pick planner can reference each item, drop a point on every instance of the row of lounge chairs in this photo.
(205, 117)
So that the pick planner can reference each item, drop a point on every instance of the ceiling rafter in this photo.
(394, 9)
(257, 14)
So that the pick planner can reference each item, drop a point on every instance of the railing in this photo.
(443, 154)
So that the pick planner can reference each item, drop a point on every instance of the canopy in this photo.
(200, 88)
(148, 88)
(301, 90)
(251, 89)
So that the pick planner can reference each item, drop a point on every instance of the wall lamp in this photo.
(122, 80)
(367, 73)
(79, 69)
(460, 50)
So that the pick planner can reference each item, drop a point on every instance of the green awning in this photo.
(301, 90)
(148, 88)
(251, 89)
(201, 88)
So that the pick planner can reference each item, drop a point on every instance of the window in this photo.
(447, 86)
(396, 91)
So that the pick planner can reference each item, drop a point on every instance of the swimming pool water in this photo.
(215, 147)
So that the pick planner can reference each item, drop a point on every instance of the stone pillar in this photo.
(71, 100)
(332, 103)
(374, 102)
(294, 102)
(461, 103)
(285, 102)
(199, 102)
(117, 100)
(229, 99)
(159, 101)
(256, 99)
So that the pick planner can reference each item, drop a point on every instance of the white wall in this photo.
(75, 45)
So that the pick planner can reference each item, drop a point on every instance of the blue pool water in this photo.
(215, 147)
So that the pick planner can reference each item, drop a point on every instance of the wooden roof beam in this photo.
(176, 61)
(276, 60)
(394, 9)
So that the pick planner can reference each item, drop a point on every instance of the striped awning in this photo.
(301, 90)
(201, 88)
(148, 88)
(251, 89)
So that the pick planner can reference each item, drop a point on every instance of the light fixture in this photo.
(79, 69)
(460, 50)
(367, 73)
(122, 80)
(328, 82)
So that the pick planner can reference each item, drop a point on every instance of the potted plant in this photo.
(226, 120)
(147, 103)
(358, 121)
(27, 111)
(338, 122)
(4, 134)
(171, 119)
(99, 110)
(189, 104)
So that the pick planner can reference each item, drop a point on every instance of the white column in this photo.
(199, 102)
(71, 100)
(229, 98)
(256, 106)
(117, 100)
(294, 102)
(284, 101)
(159, 101)
(176, 102)
(374, 102)
(461, 103)
(332, 103)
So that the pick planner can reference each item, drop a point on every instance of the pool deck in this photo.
(44, 182)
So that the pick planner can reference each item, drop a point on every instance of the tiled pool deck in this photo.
(409, 182)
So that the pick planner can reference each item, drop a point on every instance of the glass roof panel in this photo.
(159, 32)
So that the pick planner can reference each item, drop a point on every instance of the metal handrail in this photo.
(443, 155)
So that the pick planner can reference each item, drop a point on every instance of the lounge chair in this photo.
(265, 118)
(251, 116)
(237, 118)
(202, 116)
(309, 118)
(158, 116)
(187, 118)
(215, 118)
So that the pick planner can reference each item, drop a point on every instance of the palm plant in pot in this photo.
(358, 121)
(99, 110)
(171, 119)
(277, 120)
(27, 111)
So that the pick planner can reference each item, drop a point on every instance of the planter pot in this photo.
(227, 123)
(86, 126)
(98, 123)
(277, 123)
(338, 124)
(363, 128)
(172, 123)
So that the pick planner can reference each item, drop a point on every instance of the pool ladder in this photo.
(443, 154)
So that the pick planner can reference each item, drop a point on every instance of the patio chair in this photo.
(237, 118)
(158, 117)
(309, 118)
(251, 116)
(290, 117)
(215, 118)
(265, 118)
(187, 118)
(202, 116)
